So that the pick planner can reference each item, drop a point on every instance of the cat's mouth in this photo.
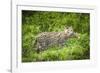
(71, 34)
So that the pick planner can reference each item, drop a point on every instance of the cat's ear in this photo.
(66, 27)
(70, 26)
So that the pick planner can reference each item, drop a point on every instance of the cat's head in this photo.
(69, 31)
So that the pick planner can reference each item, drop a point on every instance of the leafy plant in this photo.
(35, 22)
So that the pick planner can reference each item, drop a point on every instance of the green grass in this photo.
(35, 22)
(74, 49)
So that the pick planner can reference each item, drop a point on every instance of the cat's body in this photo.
(46, 39)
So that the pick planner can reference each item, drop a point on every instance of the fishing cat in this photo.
(46, 39)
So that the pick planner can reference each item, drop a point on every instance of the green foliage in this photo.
(35, 22)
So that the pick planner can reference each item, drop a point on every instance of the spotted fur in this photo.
(46, 39)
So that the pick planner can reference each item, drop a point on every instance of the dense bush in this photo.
(35, 22)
